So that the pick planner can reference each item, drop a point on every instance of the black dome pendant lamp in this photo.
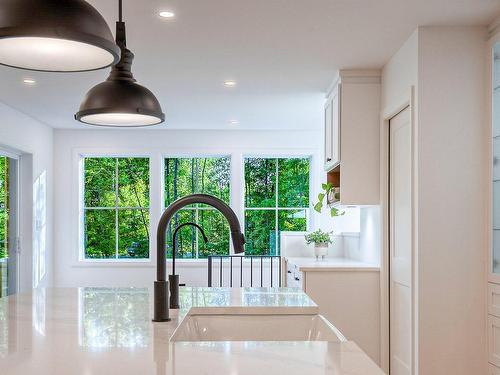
(120, 101)
(55, 36)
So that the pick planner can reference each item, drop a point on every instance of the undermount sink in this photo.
(256, 328)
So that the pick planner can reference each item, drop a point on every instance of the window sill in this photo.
(146, 263)
(97, 263)
(349, 234)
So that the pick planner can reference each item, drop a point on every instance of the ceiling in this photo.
(282, 53)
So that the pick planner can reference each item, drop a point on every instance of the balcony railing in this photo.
(246, 270)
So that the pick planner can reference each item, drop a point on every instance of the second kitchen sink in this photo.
(227, 327)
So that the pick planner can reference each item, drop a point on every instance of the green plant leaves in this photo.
(318, 236)
(336, 212)
(327, 188)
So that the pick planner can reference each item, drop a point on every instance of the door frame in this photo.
(408, 100)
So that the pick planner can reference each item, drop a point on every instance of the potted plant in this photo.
(321, 242)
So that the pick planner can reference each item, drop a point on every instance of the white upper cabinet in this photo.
(332, 129)
(352, 136)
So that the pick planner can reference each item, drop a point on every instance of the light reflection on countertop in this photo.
(109, 330)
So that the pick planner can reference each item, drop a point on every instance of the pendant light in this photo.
(55, 36)
(120, 101)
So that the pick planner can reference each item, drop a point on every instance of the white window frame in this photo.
(156, 156)
(197, 209)
(82, 209)
(277, 208)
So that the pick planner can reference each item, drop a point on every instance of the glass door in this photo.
(496, 158)
(8, 226)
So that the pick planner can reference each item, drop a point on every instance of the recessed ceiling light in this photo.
(166, 14)
(234, 122)
(29, 81)
(230, 83)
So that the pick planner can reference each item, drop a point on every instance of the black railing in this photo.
(239, 263)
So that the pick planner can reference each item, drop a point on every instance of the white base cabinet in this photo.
(348, 297)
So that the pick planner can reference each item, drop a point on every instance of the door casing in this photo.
(408, 100)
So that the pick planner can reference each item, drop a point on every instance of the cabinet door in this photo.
(494, 340)
(495, 168)
(328, 133)
(494, 299)
(335, 120)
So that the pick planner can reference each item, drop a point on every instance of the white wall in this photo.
(369, 236)
(446, 67)
(33, 140)
(400, 74)
(68, 144)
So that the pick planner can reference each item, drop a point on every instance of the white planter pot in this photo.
(321, 250)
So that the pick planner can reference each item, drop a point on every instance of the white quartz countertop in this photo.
(88, 331)
(310, 264)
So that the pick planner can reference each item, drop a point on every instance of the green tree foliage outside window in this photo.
(185, 176)
(276, 199)
(116, 207)
(4, 206)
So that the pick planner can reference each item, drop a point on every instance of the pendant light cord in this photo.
(121, 39)
(122, 71)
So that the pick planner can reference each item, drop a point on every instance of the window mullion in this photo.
(116, 208)
(196, 243)
(276, 212)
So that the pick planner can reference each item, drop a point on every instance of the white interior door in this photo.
(400, 244)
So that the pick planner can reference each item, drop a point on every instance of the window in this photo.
(276, 199)
(4, 207)
(184, 176)
(116, 208)
(8, 224)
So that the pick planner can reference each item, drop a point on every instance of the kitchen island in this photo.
(109, 331)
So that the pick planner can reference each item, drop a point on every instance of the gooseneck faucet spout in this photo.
(173, 279)
(161, 310)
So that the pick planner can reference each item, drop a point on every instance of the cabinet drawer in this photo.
(294, 283)
(494, 299)
(297, 278)
(293, 276)
(494, 340)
